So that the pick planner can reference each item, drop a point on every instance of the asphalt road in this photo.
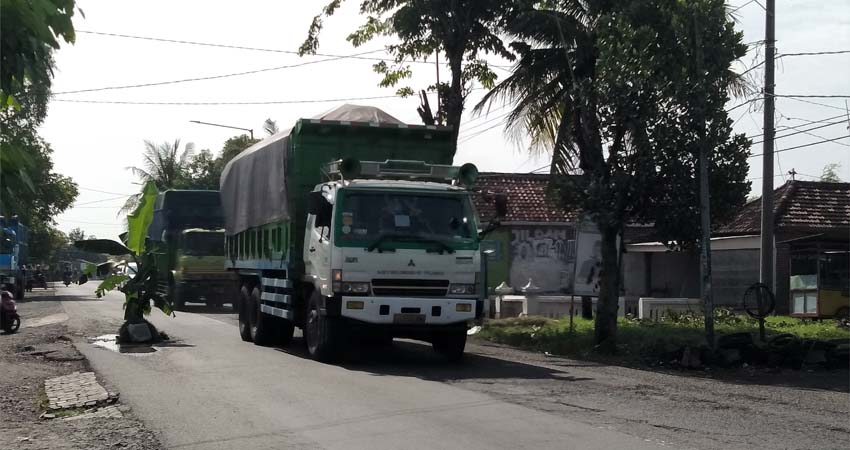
(213, 391)
(210, 390)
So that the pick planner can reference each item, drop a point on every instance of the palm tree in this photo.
(164, 164)
(602, 85)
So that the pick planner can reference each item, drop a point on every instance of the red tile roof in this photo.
(527, 198)
(810, 205)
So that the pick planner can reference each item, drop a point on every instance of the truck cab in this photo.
(13, 256)
(389, 257)
(198, 272)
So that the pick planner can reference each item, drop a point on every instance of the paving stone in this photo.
(75, 390)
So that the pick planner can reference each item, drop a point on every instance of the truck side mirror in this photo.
(315, 202)
(501, 204)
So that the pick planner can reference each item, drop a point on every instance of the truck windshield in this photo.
(423, 219)
(204, 244)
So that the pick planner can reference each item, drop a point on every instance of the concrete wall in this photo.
(545, 254)
(677, 274)
(732, 272)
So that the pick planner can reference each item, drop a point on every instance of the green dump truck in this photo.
(353, 225)
(190, 225)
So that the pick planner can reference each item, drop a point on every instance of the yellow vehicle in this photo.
(820, 282)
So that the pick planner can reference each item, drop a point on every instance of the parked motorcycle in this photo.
(39, 280)
(10, 321)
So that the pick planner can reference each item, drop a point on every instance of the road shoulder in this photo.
(45, 351)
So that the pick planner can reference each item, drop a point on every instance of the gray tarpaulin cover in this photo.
(253, 184)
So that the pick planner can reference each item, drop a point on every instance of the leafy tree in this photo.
(830, 173)
(233, 147)
(629, 91)
(164, 165)
(77, 234)
(460, 29)
(29, 32)
(45, 242)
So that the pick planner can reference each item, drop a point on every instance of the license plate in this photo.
(409, 318)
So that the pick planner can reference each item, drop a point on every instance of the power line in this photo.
(275, 102)
(810, 122)
(810, 96)
(834, 52)
(99, 201)
(93, 223)
(211, 77)
(102, 192)
(804, 131)
(479, 133)
(478, 125)
(816, 103)
(257, 49)
(803, 146)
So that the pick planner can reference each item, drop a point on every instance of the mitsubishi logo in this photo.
(411, 264)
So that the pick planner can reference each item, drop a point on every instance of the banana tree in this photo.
(142, 289)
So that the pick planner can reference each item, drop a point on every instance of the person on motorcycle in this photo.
(9, 319)
(66, 277)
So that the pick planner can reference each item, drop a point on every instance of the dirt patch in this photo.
(27, 359)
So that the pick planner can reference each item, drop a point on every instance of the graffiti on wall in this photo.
(544, 254)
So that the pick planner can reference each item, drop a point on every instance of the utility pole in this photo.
(767, 159)
(437, 65)
(704, 204)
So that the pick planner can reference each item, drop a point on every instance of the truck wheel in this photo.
(451, 344)
(244, 315)
(262, 327)
(320, 332)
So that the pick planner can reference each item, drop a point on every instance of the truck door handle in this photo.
(312, 249)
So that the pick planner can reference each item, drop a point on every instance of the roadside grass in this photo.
(641, 339)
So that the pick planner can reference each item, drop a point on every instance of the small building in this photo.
(811, 271)
(812, 245)
(537, 237)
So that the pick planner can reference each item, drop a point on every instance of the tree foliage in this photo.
(29, 32)
(29, 188)
(170, 168)
(627, 92)
(830, 173)
(460, 29)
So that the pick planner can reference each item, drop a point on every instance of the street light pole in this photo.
(224, 126)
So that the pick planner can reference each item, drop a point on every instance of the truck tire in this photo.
(262, 325)
(244, 315)
(451, 344)
(320, 332)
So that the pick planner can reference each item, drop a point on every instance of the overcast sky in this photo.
(93, 143)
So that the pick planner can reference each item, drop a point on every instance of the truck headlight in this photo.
(462, 289)
(354, 287)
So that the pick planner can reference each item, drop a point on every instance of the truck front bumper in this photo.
(408, 311)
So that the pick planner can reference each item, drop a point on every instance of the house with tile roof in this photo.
(812, 232)
(537, 238)
(811, 271)
(537, 241)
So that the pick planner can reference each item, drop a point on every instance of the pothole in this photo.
(110, 342)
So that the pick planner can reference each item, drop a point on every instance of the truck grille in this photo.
(409, 288)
